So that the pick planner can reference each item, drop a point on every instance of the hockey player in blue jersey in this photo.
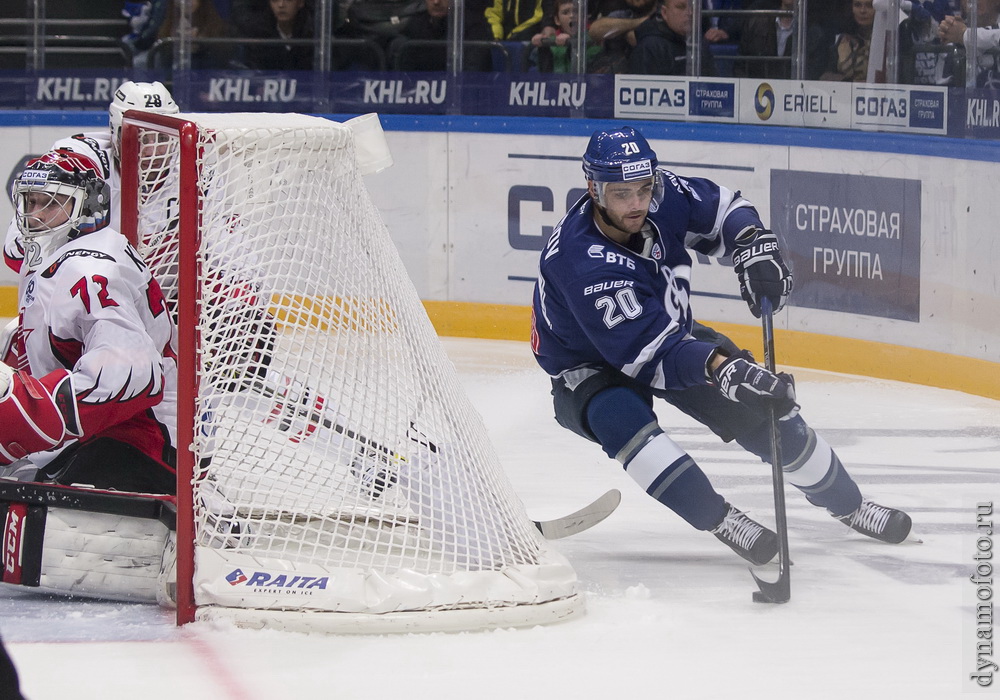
(613, 327)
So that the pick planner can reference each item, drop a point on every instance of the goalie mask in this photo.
(57, 197)
(148, 97)
(622, 155)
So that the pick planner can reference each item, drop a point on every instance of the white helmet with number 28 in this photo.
(148, 97)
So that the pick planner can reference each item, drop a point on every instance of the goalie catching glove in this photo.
(742, 380)
(762, 272)
(35, 414)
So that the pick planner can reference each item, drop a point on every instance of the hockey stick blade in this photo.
(581, 520)
(779, 591)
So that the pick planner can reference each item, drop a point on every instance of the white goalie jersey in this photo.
(93, 308)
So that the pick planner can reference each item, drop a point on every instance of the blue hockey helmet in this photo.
(618, 156)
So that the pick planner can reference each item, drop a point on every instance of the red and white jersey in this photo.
(94, 309)
(96, 146)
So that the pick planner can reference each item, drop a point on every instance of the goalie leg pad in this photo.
(23, 532)
(115, 557)
(73, 552)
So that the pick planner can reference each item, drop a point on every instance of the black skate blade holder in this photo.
(779, 591)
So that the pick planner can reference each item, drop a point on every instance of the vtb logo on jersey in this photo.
(595, 251)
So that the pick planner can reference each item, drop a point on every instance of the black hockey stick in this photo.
(781, 590)
(306, 407)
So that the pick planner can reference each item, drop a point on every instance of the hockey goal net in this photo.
(332, 474)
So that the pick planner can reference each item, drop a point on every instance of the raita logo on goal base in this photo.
(291, 583)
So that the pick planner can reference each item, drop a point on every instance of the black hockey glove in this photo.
(740, 379)
(762, 272)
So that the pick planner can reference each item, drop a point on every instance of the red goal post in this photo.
(332, 474)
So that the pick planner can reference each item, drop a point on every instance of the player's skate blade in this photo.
(746, 537)
(878, 522)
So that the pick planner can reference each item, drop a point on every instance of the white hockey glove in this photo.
(762, 272)
(6, 374)
(8, 334)
(742, 380)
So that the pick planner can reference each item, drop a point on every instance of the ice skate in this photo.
(878, 522)
(746, 537)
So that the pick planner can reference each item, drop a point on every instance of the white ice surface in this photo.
(669, 611)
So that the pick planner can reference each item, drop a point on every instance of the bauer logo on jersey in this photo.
(95, 254)
(637, 170)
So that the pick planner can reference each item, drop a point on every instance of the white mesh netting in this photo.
(339, 465)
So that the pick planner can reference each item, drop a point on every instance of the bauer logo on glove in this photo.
(741, 380)
(761, 271)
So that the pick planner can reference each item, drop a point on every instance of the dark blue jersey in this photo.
(597, 302)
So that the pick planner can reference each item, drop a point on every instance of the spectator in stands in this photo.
(594, 9)
(249, 15)
(661, 42)
(287, 19)
(206, 23)
(827, 19)
(553, 52)
(615, 32)
(923, 57)
(851, 49)
(724, 29)
(954, 30)
(379, 20)
(515, 20)
(431, 24)
(767, 37)
(145, 20)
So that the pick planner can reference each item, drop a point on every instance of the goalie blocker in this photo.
(87, 542)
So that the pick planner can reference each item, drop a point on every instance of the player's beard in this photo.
(628, 223)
